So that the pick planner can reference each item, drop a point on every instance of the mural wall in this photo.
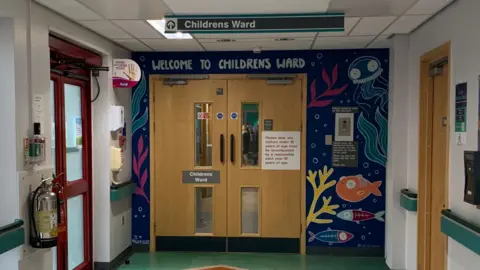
(346, 135)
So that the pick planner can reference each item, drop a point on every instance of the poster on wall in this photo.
(281, 150)
(461, 113)
(346, 136)
(126, 73)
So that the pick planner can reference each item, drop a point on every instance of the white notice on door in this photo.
(281, 150)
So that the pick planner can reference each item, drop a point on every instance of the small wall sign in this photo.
(126, 73)
(234, 116)
(268, 124)
(219, 116)
(201, 177)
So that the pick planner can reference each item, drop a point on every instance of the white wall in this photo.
(9, 191)
(458, 24)
(397, 154)
(31, 26)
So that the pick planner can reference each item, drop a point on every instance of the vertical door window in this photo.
(250, 132)
(250, 210)
(73, 131)
(204, 209)
(203, 134)
(76, 245)
(52, 120)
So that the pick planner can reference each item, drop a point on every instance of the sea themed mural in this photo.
(330, 236)
(345, 170)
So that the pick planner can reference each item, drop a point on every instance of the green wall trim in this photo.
(121, 192)
(12, 236)
(408, 200)
(460, 230)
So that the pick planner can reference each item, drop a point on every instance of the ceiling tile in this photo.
(173, 44)
(372, 25)
(106, 28)
(405, 24)
(71, 9)
(245, 7)
(138, 28)
(349, 24)
(342, 42)
(381, 42)
(264, 45)
(128, 9)
(369, 8)
(255, 35)
(427, 7)
(133, 44)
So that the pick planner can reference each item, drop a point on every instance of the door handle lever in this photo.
(232, 148)
(222, 149)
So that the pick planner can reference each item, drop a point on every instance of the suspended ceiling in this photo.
(368, 23)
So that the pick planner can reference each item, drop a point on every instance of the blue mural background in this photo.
(336, 78)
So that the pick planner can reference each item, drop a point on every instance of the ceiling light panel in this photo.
(173, 45)
(106, 28)
(138, 28)
(128, 9)
(246, 6)
(133, 44)
(342, 42)
(372, 25)
(406, 24)
(159, 25)
(427, 7)
(71, 9)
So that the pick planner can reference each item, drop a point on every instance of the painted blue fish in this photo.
(331, 236)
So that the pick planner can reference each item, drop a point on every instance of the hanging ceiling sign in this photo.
(271, 23)
(126, 73)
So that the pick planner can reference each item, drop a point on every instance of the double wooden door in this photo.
(212, 191)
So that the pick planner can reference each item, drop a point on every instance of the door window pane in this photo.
(203, 134)
(52, 119)
(250, 129)
(75, 232)
(73, 132)
(204, 209)
(250, 210)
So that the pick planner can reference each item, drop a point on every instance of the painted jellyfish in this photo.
(371, 95)
(366, 73)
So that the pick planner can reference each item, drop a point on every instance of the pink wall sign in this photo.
(126, 73)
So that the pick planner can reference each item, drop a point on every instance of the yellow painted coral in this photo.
(313, 216)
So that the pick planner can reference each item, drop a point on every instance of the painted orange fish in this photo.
(356, 188)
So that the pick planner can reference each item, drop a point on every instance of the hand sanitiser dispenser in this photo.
(472, 177)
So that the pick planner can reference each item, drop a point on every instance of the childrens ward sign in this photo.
(201, 177)
(281, 150)
(312, 22)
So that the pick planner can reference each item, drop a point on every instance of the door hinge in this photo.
(153, 126)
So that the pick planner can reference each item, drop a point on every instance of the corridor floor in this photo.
(244, 261)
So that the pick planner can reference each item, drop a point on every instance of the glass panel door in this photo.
(71, 150)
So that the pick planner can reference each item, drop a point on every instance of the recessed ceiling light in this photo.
(284, 39)
(159, 25)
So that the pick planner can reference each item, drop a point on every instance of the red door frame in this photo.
(84, 185)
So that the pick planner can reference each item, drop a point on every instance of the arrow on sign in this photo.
(170, 25)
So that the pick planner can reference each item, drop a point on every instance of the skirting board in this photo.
(116, 263)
